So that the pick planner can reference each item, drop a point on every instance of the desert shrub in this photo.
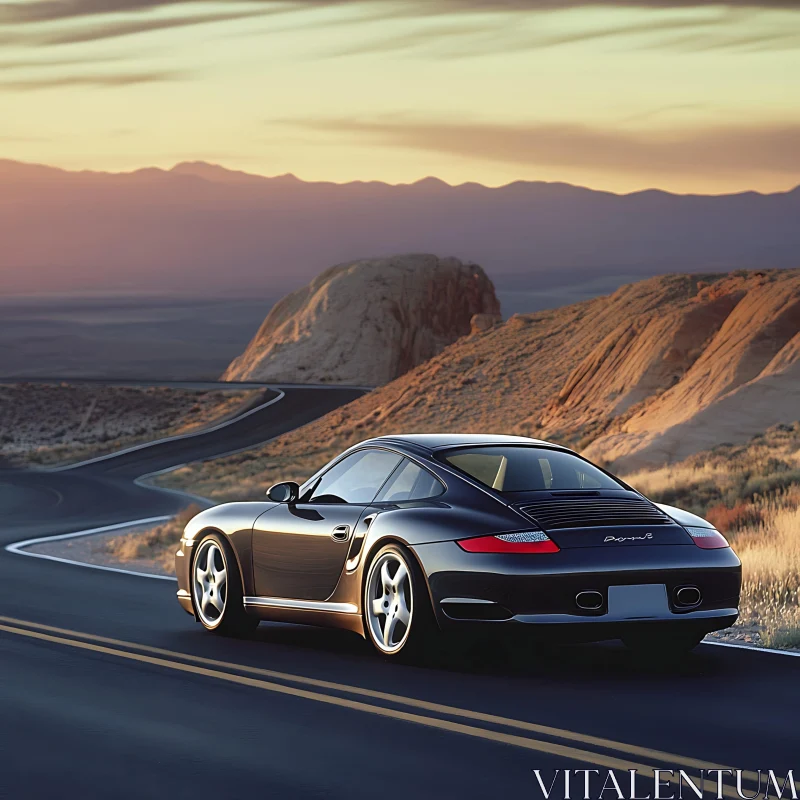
(157, 543)
(770, 482)
(731, 519)
(782, 636)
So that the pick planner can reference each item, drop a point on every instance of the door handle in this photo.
(341, 533)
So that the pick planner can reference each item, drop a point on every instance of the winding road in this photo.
(108, 690)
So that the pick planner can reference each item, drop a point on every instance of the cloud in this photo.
(692, 151)
(478, 40)
(51, 10)
(56, 22)
(411, 40)
(104, 80)
(27, 11)
(96, 31)
(654, 112)
(132, 27)
(757, 42)
(721, 31)
(31, 63)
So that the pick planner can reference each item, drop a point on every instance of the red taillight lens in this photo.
(526, 542)
(708, 538)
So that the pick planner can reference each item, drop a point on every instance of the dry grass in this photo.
(156, 545)
(728, 475)
(752, 494)
(49, 424)
(770, 553)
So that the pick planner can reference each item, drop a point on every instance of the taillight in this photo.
(526, 542)
(708, 538)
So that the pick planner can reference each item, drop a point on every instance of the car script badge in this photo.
(628, 538)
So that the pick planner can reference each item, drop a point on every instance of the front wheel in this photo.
(397, 614)
(217, 589)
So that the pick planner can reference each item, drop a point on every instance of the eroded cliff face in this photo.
(367, 322)
(743, 375)
(651, 349)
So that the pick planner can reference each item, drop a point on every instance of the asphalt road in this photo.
(108, 690)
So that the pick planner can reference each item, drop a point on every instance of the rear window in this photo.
(527, 469)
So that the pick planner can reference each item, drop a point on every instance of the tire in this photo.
(217, 594)
(398, 619)
(662, 646)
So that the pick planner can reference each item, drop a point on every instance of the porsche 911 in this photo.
(404, 538)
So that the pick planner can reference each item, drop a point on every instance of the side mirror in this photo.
(286, 492)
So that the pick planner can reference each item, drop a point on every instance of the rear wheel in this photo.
(217, 589)
(397, 613)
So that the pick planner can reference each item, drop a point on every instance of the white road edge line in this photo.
(142, 481)
(19, 548)
(134, 448)
(753, 649)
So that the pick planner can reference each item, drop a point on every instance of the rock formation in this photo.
(368, 322)
(657, 371)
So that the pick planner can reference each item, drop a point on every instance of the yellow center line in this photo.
(528, 743)
(439, 708)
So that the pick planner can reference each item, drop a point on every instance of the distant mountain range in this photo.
(208, 230)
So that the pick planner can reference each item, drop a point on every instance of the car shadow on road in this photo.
(497, 658)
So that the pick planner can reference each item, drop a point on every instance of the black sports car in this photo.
(400, 537)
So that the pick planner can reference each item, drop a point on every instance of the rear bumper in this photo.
(538, 592)
(569, 628)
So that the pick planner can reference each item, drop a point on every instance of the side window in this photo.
(410, 482)
(355, 479)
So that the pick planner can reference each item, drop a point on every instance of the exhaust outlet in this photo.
(687, 596)
(589, 601)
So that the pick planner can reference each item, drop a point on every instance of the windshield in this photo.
(527, 469)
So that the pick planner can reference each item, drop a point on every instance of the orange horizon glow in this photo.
(619, 95)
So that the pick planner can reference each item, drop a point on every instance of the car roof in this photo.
(436, 441)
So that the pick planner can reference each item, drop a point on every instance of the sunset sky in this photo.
(685, 95)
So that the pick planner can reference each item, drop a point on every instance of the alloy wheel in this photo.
(389, 601)
(210, 584)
